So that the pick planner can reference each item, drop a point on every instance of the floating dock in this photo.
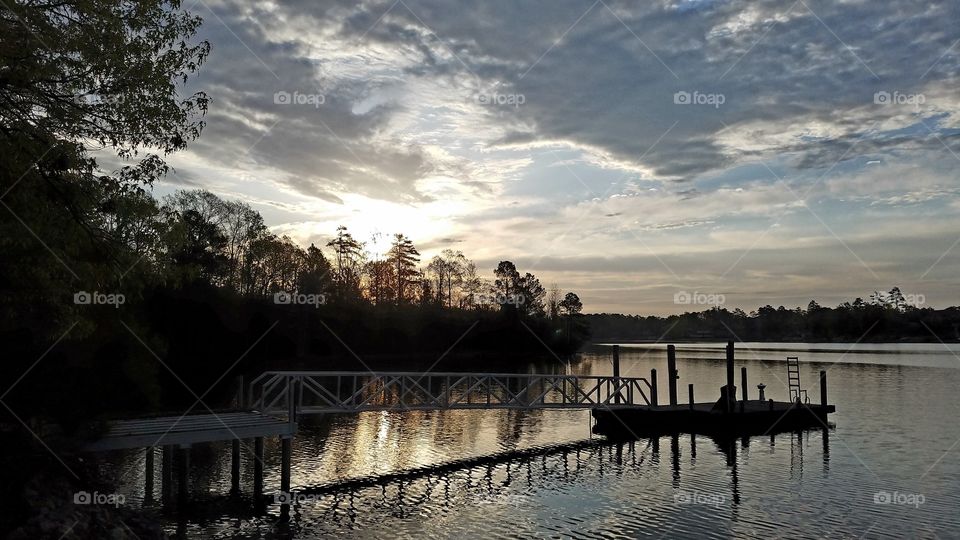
(726, 416)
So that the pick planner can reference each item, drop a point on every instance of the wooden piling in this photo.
(672, 373)
(823, 388)
(690, 392)
(166, 474)
(148, 478)
(183, 475)
(616, 372)
(653, 386)
(743, 382)
(258, 468)
(285, 474)
(235, 467)
(731, 395)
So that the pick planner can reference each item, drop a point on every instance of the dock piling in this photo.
(653, 386)
(166, 474)
(823, 388)
(743, 382)
(731, 392)
(235, 467)
(285, 474)
(258, 468)
(183, 475)
(148, 479)
(690, 391)
(672, 373)
(616, 372)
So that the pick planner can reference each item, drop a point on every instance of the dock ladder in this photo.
(793, 380)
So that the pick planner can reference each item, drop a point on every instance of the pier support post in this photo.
(235, 467)
(743, 382)
(148, 478)
(672, 373)
(653, 387)
(183, 475)
(823, 388)
(166, 474)
(285, 474)
(690, 391)
(616, 372)
(258, 468)
(731, 392)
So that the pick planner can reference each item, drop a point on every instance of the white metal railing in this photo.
(309, 392)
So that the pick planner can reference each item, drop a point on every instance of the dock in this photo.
(727, 416)
(175, 435)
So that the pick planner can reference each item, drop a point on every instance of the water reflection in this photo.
(422, 474)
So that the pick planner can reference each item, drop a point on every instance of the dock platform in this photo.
(752, 417)
(190, 429)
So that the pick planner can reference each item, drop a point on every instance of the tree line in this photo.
(882, 317)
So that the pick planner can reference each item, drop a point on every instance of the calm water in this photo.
(896, 438)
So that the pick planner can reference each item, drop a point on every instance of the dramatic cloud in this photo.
(800, 148)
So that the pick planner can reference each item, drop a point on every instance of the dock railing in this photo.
(307, 392)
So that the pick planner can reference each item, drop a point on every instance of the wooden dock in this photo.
(754, 418)
(176, 434)
(726, 416)
(192, 429)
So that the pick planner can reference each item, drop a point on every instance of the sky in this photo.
(653, 157)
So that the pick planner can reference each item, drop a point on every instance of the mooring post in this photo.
(616, 372)
(823, 388)
(771, 404)
(183, 475)
(690, 391)
(235, 467)
(731, 392)
(148, 479)
(258, 468)
(653, 386)
(166, 473)
(672, 373)
(285, 474)
(240, 403)
(743, 382)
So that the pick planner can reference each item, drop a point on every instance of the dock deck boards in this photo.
(190, 429)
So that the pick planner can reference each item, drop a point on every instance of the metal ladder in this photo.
(793, 379)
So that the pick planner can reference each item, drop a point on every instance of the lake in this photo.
(890, 468)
